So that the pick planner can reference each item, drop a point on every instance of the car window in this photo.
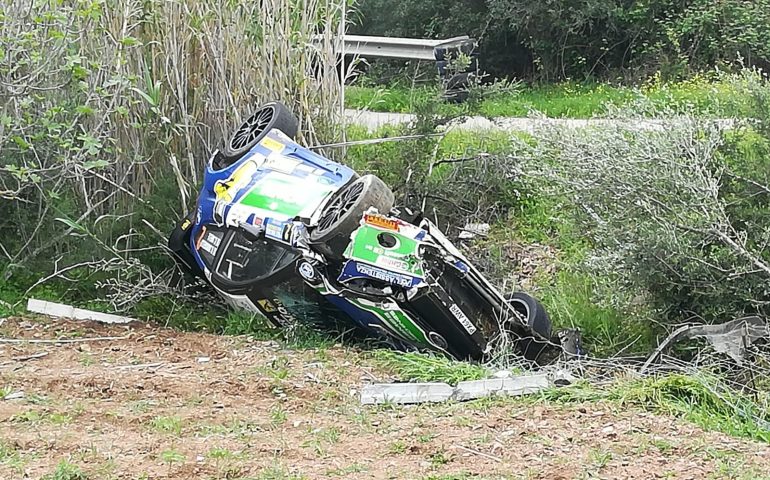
(245, 260)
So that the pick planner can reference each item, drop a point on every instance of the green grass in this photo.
(698, 399)
(418, 367)
(171, 456)
(171, 425)
(66, 471)
(709, 95)
(573, 299)
(9, 455)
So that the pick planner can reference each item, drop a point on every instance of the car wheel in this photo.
(343, 213)
(253, 130)
(538, 330)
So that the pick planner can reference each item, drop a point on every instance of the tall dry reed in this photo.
(104, 103)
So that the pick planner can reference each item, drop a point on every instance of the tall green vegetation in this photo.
(110, 108)
(578, 39)
(676, 216)
(651, 224)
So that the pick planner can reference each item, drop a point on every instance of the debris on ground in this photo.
(431, 392)
(60, 310)
(144, 407)
(14, 396)
(729, 338)
(472, 230)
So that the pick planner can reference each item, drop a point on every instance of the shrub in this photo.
(676, 213)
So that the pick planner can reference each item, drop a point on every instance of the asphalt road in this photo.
(375, 120)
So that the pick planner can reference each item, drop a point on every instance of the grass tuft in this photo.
(696, 398)
(418, 367)
(66, 471)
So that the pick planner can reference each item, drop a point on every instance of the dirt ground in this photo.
(160, 404)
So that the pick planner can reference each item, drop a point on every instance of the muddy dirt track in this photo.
(160, 404)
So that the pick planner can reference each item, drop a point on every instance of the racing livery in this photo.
(273, 216)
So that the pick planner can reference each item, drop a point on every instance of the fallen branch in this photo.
(140, 366)
(375, 141)
(476, 452)
(29, 357)
(67, 311)
(65, 340)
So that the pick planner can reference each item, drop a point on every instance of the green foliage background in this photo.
(552, 40)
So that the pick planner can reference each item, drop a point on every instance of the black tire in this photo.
(537, 333)
(178, 243)
(253, 130)
(342, 214)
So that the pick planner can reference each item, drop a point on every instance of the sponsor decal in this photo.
(381, 221)
(256, 221)
(208, 247)
(463, 319)
(273, 230)
(227, 190)
(267, 305)
(279, 191)
(286, 232)
(388, 262)
(213, 239)
(281, 163)
(186, 224)
(384, 275)
(307, 271)
(271, 144)
(283, 317)
(236, 215)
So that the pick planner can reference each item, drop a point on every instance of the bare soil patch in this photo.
(163, 404)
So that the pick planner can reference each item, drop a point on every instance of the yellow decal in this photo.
(186, 224)
(267, 305)
(227, 190)
(271, 144)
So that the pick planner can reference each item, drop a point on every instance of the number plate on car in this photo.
(462, 318)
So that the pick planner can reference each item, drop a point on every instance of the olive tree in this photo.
(668, 214)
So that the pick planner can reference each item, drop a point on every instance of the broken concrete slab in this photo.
(61, 310)
(510, 386)
(379, 393)
(406, 393)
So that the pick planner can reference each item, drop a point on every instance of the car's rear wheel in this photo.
(342, 214)
(537, 332)
(253, 130)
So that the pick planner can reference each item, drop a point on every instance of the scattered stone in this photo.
(14, 396)
(410, 393)
(203, 359)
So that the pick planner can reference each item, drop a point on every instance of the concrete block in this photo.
(405, 393)
(521, 385)
(61, 310)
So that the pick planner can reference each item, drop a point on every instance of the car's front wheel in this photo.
(341, 216)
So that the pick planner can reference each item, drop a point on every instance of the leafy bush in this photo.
(569, 39)
(676, 213)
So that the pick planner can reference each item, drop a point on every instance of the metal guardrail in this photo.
(395, 47)
(440, 51)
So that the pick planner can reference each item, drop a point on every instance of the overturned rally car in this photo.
(271, 211)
